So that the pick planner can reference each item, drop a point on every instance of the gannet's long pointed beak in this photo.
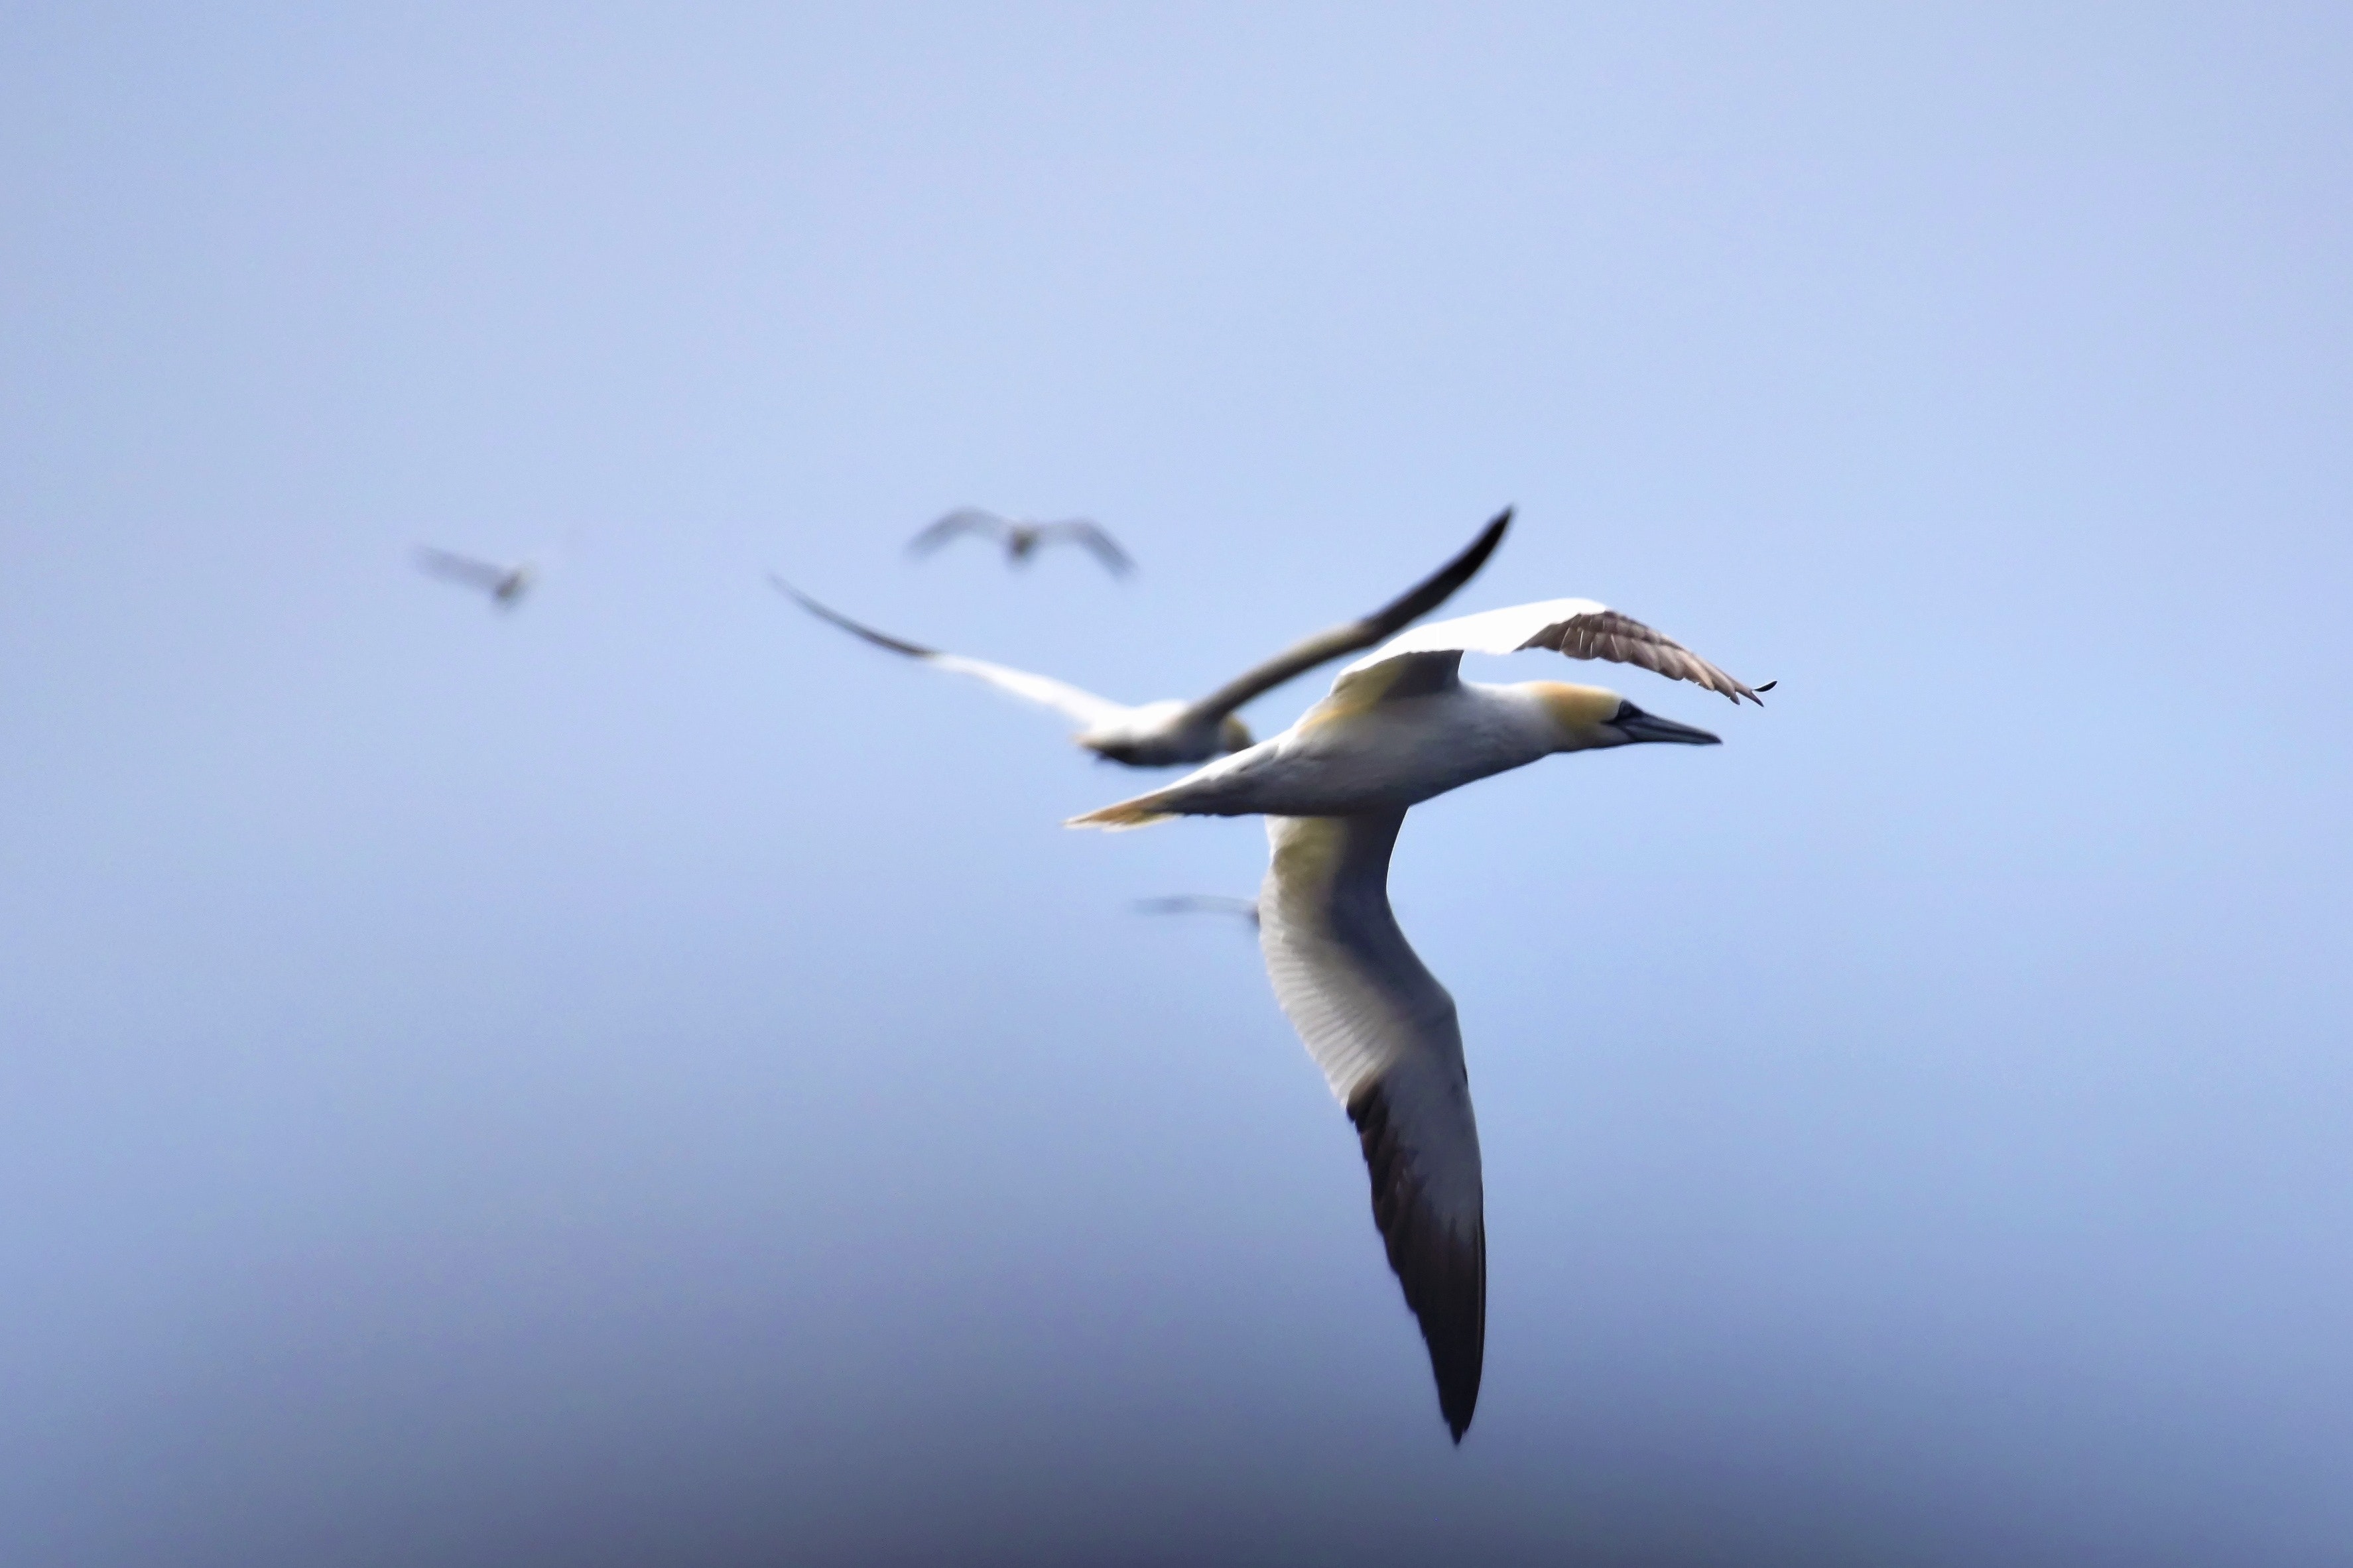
(1638, 726)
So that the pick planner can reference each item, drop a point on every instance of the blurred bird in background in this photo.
(1201, 904)
(1021, 537)
(505, 583)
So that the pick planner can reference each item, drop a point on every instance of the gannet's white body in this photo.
(1393, 752)
(1399, 727)
(1173, 731)
(1400, 724)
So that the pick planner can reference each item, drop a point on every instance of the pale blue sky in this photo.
(649, 1079)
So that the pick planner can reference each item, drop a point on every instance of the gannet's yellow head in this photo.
(1233, 735)
(1589, 718)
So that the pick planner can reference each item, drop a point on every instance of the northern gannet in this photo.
(1021, 537)
(505, 583)
(1399, 727)
(1172, 731)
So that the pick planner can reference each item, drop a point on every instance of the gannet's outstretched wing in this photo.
(1416, 602)
(451, 567)
(964, 519)
(1081, 707)
(1578, 628)
(1087, 531)
(1384, 1032)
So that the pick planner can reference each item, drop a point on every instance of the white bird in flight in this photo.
(1022, 537)
(505, 583)
(1172, 731)
(1399, 727)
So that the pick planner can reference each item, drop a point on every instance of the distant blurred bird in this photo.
(1399, 727)
(1022, 537)
(506, 584)
(1158, 734)
(1200, 904)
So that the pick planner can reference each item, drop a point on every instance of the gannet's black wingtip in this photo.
(1443, 1269)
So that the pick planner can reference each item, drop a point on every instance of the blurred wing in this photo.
(1201, 903)
(1578, 628)
(1326, 645)
(452, 567)
(964, 519)
(1087, 531)
(1082, 707)
(1384, 1032)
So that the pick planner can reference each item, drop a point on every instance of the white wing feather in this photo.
(1580, 628)
(1384, 1031)
(1506, 630)
(1081, 707)
(1354, 990)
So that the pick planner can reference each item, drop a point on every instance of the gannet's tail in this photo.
(1141, 811)
(1227, 787)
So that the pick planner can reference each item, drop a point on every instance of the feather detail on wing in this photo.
(1081, 707)
(1578, 628)
(1326, 645)
(1384, 1032)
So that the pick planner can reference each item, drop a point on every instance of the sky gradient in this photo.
(645, 1077)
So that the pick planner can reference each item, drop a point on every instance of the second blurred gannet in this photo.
(1399, 727)
(1160, 735)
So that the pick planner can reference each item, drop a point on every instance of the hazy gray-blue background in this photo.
(649, 1079)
